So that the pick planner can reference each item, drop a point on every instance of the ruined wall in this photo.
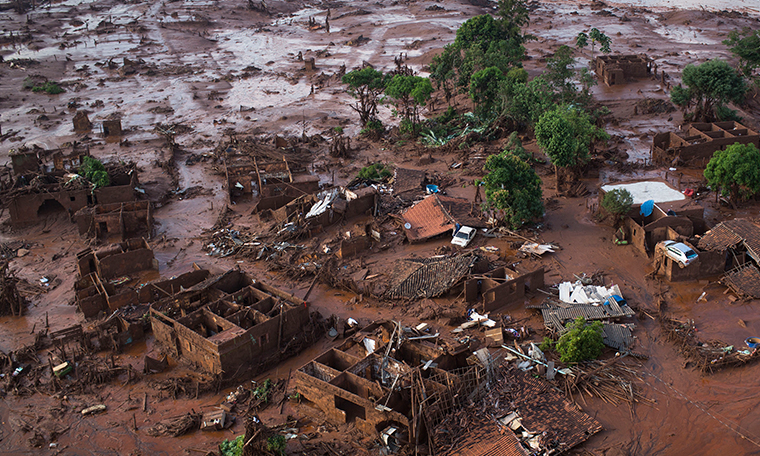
(126, 263)
(25, 209)
(350, 247)
(709, 264)
(115, 194)
(341, 406)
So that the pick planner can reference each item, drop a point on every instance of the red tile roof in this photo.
(437, 214)
(426, 219)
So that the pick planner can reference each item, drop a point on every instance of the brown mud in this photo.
(223, 69)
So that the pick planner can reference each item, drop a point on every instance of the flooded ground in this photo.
(224, 69)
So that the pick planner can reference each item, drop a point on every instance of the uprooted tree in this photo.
(513, 188)
(566, 134)
(735, 171)
(366, 85)
(709, 87)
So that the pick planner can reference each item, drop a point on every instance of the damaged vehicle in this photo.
(463, 236)
(679, 252)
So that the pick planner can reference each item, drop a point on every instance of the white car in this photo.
(464, 236)
(679, 252)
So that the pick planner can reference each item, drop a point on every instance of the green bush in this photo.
(277, 443)
(262, 391)
(617, 202)
(378, 171)
(94, 171)
(374, 127)
(232, 448)
(583, 341)
(338, 130)
(50, 87)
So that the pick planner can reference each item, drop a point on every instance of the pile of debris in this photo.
(592, 302)
(520, 414)
(11, 301)
(707, 356)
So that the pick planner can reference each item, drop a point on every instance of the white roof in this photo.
(660, 192)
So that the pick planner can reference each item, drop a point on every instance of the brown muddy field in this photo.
(222, 69)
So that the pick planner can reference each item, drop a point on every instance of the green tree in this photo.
(408, 94)
(745, 44)
(735, 171)
(598, 37)
(482, 42)
(512, 187)
(559, 72)
(93, 170)
(514, 146)
(617, 202)
(565, 134)
(581, 41)
(365, 85)
(582, 342)
(524, 103)
(484, 89)
(709, 85)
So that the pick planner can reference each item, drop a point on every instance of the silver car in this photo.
(679, 252)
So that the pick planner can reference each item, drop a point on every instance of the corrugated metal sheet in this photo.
(618, 337)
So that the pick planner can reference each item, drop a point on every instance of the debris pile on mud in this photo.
(707, 356)
(11, 301)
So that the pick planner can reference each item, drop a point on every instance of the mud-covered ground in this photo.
(222, 68)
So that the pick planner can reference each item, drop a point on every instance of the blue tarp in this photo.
(646, 208)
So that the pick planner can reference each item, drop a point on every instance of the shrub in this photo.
(94, 171)
(232, 448)
(49, 87)
(276, 444)
(617, 202)
(377, 171)
(583, 341)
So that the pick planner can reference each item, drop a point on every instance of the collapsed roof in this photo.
(438, 214)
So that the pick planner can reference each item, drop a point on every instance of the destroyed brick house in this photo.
(368, 379)
(698, 142)
(406, 385)
(42, 184)
(736, 243)
(501, 287)
(618, 69)
(439, 214)
(275, 182)
(408, 184)
(672, 214)
(230, 323)
(105, 276)
(330, 206)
